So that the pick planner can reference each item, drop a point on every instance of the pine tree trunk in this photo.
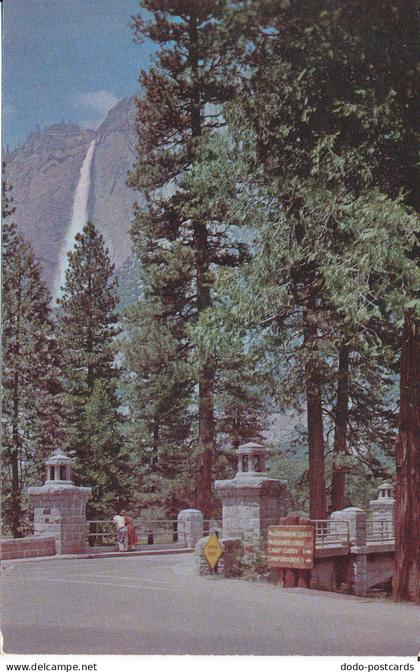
(204, 486)
(206, 442)
(16, 494)
(317, 501)
(340, 434)
(205, 387)
(406, 582)
(236, 442)
(16, 503)
(155, 447)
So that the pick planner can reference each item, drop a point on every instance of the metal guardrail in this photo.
(150, 532)
(327, 532)
(331, 532)
(100, 533)
(156, 531)
(166, 531)
(380, 530)
(103, 533)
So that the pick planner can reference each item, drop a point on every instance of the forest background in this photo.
(278, 256)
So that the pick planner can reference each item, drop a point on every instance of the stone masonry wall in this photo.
(380, 567)
(60, 513)
(27, 547)
(323, 574)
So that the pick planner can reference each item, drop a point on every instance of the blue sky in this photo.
(66, 59)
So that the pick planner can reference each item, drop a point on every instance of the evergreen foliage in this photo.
(180, 236)
(329, 240)
(278, 255)
(157, 387)
(88, 326)
(31, 410)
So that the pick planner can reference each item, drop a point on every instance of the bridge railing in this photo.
(327, 532)
(331, 532)
(160, 531)
(150, 532)
(100, 533)
(380, 530)
(157, 531)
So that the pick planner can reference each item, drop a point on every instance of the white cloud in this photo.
(99, 102)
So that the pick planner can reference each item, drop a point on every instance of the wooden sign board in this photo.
(213, 550)
(291, 546)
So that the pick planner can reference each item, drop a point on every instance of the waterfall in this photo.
(78, 220)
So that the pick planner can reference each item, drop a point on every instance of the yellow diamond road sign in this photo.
(213, 550)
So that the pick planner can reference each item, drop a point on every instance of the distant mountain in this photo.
(110, 204)
(44, 173)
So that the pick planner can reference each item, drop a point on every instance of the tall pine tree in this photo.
(88, 326)
(311, 90)
(180, 238)
(158, 388)
(31, 411)
(406, 582)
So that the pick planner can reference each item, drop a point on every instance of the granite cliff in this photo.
(44, 173)
(110, 204)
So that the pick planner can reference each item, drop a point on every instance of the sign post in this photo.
(291, 547)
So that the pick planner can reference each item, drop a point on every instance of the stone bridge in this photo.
(354, 549)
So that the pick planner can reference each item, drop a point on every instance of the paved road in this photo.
(148, 605)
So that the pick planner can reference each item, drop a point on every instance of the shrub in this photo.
(251, 560)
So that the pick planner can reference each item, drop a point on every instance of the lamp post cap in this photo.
(251, 447)
(58, 456)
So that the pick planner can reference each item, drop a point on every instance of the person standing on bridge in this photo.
(122, 532)
(132, 532)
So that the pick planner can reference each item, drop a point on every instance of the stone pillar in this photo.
(190, 527)
(382, 513)
(356, 519)
(359, 572)
(251, 501)
(60, 507)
